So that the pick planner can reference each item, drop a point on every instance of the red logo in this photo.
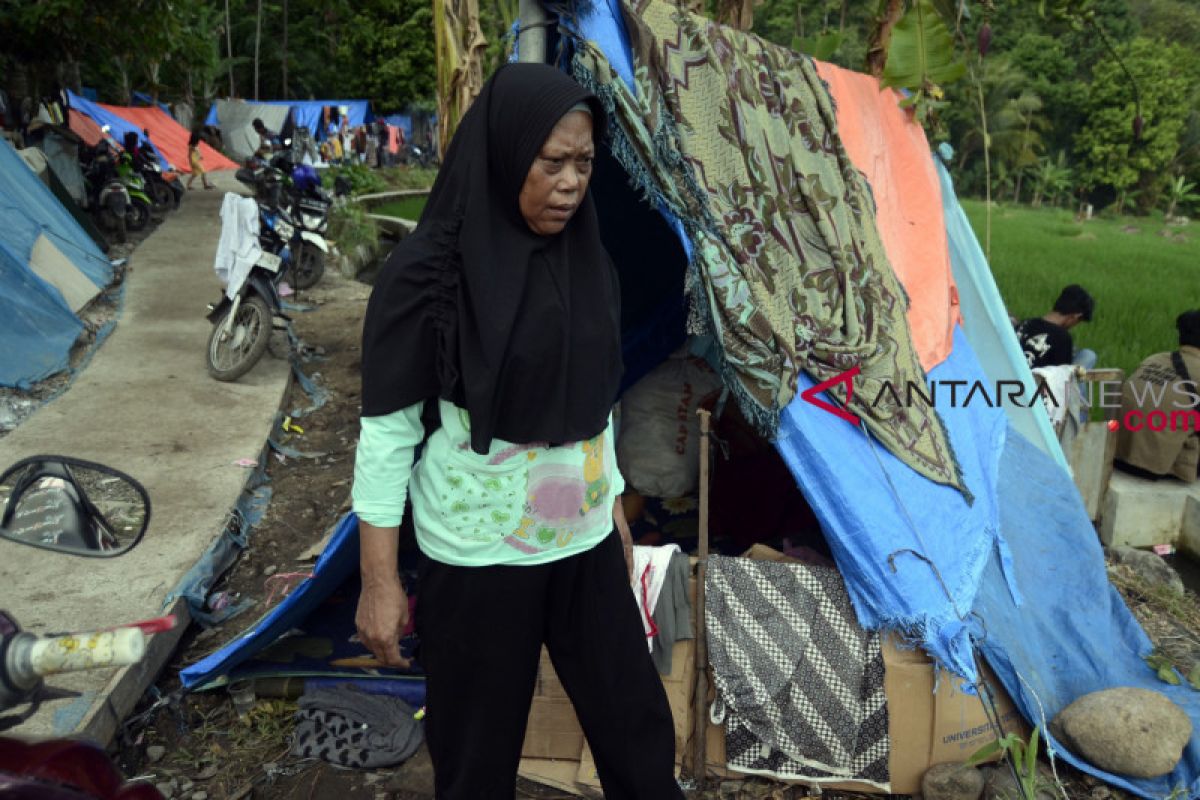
(847, 377)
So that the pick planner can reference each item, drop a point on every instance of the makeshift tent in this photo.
(49, 269)
(37, 160)
(995, 556)
(168, 138)
(61, 149)
(236, 118)
(305, 113)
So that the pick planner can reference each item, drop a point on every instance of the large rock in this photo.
(1127, 731)
(952, 781)
(1148, 566)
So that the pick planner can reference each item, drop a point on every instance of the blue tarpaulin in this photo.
(37, 326)
(1073, 633)
(119, 125)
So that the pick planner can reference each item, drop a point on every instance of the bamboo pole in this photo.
(700, 711)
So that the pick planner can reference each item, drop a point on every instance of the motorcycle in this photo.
(85, 509)
(163, 188)
(423, 157)
(307, 204)
(108, 199)
(137, 215)
(245, 315)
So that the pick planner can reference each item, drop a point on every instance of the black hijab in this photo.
(521, 330)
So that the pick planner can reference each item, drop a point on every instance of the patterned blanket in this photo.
(738, 139)
(801, 684)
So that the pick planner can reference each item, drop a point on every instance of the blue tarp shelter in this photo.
(49, 268)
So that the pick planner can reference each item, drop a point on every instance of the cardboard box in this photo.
(553, 731)
(925, 727)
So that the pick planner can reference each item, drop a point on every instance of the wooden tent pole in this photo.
(700, 711)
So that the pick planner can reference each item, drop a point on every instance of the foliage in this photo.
(363, 179)
(1179, 191)
(1023, 757)
(921, 58)
(1110, 155)
(351, 229)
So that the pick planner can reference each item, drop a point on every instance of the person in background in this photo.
(196, 164)
(502, 310)
(360, 144)
(381, 142)
(1165, 383)
(1046, 340)
(268, 140)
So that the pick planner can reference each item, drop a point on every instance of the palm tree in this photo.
(1017, 137)
(1052, 179)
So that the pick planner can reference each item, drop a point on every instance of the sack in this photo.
(658, 444)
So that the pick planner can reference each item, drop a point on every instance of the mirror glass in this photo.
(72, 506)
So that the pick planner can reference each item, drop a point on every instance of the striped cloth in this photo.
(800, 683)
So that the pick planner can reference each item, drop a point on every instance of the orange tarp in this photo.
(170, 137)
(891, 150)
(85, 128)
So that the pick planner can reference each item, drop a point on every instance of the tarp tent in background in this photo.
(235, 118)
(168, 138)
(305, 113)
(143, 99)
(310, 113)
(49, 269)
(1002, 573)
(37, 160)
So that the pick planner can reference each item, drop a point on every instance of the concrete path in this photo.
(147, 406)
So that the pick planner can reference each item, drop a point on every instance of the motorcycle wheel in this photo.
(138, 214)
(116, 223)
(230, 357)
(161, 194)
(309, 266)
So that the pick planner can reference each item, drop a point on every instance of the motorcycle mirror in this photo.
(72, 506)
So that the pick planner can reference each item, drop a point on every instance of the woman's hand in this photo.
(382, 612)
(381, 619)
(626, 536)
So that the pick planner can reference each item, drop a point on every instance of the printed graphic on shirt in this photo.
(1036, 347)
(562, 500)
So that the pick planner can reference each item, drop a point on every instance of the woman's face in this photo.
(559, 175)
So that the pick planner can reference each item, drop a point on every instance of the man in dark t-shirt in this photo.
(1046, 341)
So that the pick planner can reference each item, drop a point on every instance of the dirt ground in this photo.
(200, 748)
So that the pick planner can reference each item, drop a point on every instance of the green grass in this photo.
(1141, 280)
(406, 208)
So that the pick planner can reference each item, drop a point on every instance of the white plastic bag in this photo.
(658, 446)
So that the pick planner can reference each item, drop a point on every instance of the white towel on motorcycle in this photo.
(238, 249)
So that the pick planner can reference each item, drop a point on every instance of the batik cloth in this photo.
(738, 139)
(800, 683)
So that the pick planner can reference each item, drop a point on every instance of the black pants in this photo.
(482, 630)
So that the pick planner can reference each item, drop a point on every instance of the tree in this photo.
(1109, 147)
(1052, 179)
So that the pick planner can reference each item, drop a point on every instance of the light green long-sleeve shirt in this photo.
(517, 504)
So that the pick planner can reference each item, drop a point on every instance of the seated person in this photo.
(268, 140)
(1165, 383)
(1046, 341)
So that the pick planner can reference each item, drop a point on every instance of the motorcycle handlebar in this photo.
(32, 657)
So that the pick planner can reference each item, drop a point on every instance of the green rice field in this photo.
(1140, 278)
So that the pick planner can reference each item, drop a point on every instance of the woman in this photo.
(503, 305)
